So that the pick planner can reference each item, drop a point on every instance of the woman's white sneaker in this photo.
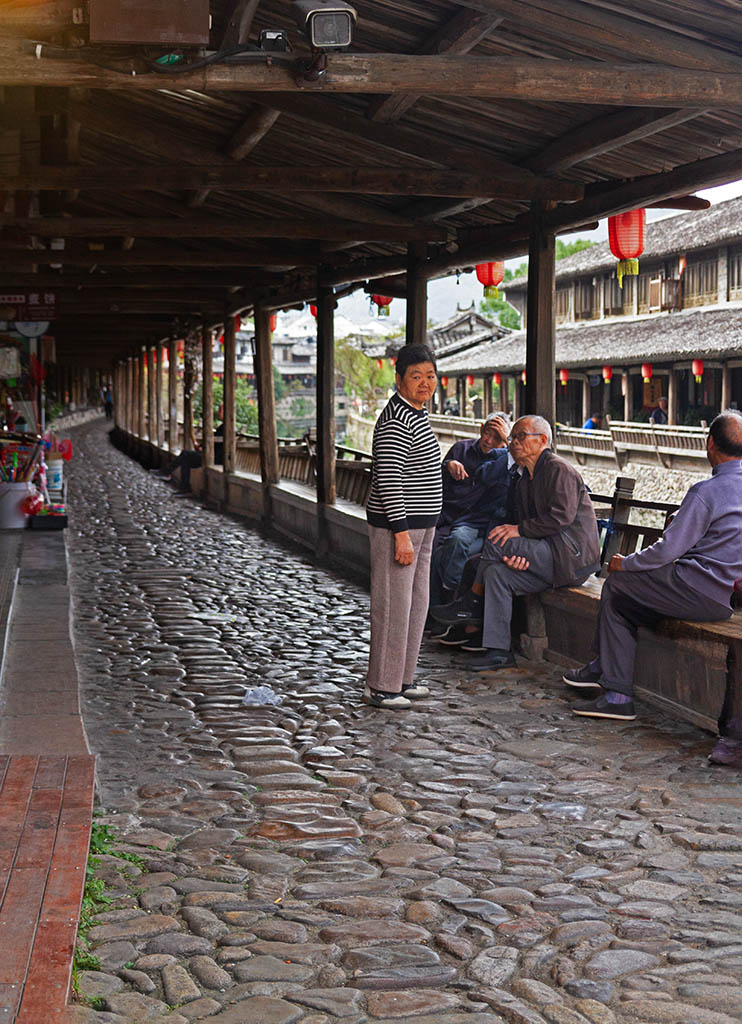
(415, 690)
(383, 699)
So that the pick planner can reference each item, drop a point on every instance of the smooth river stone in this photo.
(396, 967)
(611, 963)
(139, 928)
(340, 1002)
(294, 796)
(405, 854)
(258, 1010)
(410, 1004)
(494, 967)
(373, 932)
(296, 952)
(318, 828)
(364, 906)
(270, 968)
(333, 890)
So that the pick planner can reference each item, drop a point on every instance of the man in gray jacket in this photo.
(554, 543)
(689, 573)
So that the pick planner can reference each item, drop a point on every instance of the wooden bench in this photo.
(46, 806)
(692, 670)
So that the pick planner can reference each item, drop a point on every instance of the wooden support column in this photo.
(230, 433)
(586, 410)
(152, 394)
(269, 469)
(325, 403)
(142, 406)
(487, 395)
(672, 396)
(172, 396)
(130, 395)
(135, 396)
(628, 396)
(207, 393)
(189, 376)
(159, 360)
(540, 332)
(726, 386)
(517, 397)
(417, 295)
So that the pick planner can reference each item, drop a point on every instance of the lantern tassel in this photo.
(626, 268)
(383, 311)
(491, 292)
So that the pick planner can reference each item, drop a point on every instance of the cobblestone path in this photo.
(483, 858)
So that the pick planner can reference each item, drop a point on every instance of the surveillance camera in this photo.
(328, 23)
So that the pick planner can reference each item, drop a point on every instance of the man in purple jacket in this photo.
(688, 574)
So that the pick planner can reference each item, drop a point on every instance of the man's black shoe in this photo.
(454, 635)
(439, 631)
(583, 678)
(492, 660)
(601, 708)
(473, 643)
(465, 609)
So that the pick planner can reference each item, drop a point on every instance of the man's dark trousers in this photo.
(633, 599)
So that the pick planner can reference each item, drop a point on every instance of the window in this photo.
(612, 297)
(735, 273)
(585, 300)
(562, 304)
(700, 284)
(642, 284)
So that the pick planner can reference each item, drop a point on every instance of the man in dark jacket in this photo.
(475, 486)
(554, 543)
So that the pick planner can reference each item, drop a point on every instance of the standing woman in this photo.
(403, 508)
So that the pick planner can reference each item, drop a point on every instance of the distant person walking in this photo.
(108, 403)
(659, 415)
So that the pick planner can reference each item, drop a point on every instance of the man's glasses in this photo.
(522, 435)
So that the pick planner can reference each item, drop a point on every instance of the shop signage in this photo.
(29, 306)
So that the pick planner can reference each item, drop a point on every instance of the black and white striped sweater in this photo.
(406, 486)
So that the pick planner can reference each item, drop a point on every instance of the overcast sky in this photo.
(446, 293)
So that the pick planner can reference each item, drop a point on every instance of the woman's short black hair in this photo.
(726, 430)
(409, 355)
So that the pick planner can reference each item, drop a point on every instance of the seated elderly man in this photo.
(688, 573)
(553, 544)
(475, 485)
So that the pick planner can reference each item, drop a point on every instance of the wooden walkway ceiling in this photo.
(444, 123)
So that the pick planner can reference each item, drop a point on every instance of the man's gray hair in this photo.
(542, 426)
(496, 415)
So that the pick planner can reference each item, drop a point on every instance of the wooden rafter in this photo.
(459, 35)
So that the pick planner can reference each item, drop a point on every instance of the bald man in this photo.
(689, 573)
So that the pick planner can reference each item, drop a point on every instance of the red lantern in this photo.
(237, 322)
(523, 377)
(697, 367)
(607, 374)
(469, 379)
(444, 382)
(274, 322)
(497, 380)
(382, 302)
(626, 239)
(646, 372)
(380, 363)
(563, 377)
(490, 275)
(313, 311)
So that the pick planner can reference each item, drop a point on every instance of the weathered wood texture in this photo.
(269, 470)
(207, 430)
(229, 396)
(326, 488)
(540, 329)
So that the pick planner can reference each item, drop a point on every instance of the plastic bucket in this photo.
(11, 498)
(54, 474)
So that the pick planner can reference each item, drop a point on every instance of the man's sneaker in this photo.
(583, 678)
(602, 708)
(413, 691)
(439, 631)
(454, 636)
(491, 661)
(465, 609)
(473, 643)
(384, 699)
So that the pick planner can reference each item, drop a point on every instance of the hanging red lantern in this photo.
(697, 367)
(646, 372)
(444, 382)
(274, 322)
(380, 363)
(497, 380)
(313, 311)
(626, 239)
(382, 303)
(607, 374)
(237, 322)
(563, 377)
(523, 377)
(469, 379)
(490, 275)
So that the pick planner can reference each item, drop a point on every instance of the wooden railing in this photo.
(668, 445)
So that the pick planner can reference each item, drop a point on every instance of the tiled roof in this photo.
(662, 337)
(672, 236)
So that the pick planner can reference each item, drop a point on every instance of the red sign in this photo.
(25, 306)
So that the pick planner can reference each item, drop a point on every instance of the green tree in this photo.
(246, 406)
(363, 378)
(564, 249)
(501, 311)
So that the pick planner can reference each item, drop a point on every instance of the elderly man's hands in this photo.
(503, 533)
(502, 427)
(616, 564)
(518, 562)
(457, 470)
(404, 553)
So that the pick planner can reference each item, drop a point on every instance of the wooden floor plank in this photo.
(50, 773)
(10, 997)
(48, 981)
(14, 799)
(39, 833)
(19, 918)
(79, 791)
(67, 875)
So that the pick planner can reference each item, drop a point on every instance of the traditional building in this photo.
(619, 349)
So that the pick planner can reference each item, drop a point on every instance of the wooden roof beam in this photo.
(606, 134)
(15, 261)
(215, 227)
(365, 181)
(459, 35)
(504, 78)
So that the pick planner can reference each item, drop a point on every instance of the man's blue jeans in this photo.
(449, 558)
